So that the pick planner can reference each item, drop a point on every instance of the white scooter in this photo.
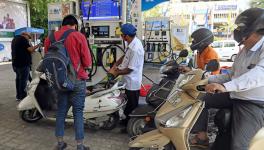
(102, 109)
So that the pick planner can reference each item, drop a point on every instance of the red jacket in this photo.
(77, 47)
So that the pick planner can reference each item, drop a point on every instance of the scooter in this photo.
(142, 118)
(102, 109)
(175, 119)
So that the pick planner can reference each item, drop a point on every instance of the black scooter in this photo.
(142, 118)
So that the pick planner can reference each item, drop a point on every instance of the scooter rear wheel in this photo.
(111, 122)
(169, 146)
(30, 116)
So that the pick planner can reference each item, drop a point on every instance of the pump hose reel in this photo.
(164, 53)
(110, 57)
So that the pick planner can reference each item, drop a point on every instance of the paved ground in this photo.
(18, 135)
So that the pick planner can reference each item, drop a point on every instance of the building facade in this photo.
(218, 16)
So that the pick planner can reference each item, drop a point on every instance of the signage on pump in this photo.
(2, 47)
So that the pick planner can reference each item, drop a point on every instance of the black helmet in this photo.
(249, 21)
(71, 19)
(201, 39)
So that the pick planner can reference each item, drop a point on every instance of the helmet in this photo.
(128, 29)
(249, 21)
(201, 39)
(71, 19)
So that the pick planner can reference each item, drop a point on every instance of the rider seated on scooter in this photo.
(202, 38)
(241, 91)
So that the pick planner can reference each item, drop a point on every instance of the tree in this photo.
(39, 13)
(257, 3)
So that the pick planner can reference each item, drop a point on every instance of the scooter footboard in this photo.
(152, 139)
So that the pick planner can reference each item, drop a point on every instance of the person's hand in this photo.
(113, 71)
(184, 69)
(215, 88)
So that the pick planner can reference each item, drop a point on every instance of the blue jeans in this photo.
(22, 75)
(75, 99)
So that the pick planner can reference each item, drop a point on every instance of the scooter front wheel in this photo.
(30, 116)
(135, 126)
(169, 146)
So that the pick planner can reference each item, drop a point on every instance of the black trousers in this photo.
(132, 102)
(22, 75)
(247, 118)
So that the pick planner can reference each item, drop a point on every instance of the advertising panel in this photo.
(10, 19)
(57, 11)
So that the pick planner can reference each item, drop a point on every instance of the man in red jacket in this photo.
(77, 47)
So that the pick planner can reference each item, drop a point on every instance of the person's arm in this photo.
(31, 49)
(119, 61)
(133, 63)
(26, 45)
(123, 71)
(249, 80)
(220, 78)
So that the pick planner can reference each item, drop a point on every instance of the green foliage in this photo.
(39, 13)
(257, 3)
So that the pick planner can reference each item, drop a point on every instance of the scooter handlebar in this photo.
(200, 87)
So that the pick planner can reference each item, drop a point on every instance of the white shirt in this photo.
(246, 81)
(134, 60)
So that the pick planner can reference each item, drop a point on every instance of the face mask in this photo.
(197, 46)
(238, 36)
(194, 46)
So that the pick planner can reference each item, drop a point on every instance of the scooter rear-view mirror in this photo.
(183, 53)
(212, 65)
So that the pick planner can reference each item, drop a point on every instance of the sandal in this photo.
(199, 143)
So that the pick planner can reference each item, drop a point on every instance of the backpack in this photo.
(57, 65)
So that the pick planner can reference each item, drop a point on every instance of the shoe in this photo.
(61, 147)
(82, 147)
(196, 142)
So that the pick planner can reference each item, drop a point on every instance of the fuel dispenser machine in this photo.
(157, 39)
(102, 20)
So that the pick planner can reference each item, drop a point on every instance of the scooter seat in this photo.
(143, 110)
(93, 92)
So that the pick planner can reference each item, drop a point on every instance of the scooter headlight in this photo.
(175, 118)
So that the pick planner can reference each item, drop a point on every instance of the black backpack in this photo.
(57, 65)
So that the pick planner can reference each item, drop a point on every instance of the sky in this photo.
(244, 4)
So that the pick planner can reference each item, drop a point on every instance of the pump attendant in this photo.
(131, 67)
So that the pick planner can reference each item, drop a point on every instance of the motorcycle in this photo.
(142, 118)
(102, 109)
(176, 117)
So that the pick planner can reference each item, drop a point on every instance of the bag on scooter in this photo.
(57, 65)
